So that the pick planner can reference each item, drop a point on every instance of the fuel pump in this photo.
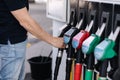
(90, 43)
(77, 43)
(64, 29)
(114, 62)
(67, 40)
(116, 75)
(105, 50)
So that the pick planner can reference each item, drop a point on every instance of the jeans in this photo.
(12, 61)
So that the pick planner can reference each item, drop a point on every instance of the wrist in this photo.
(51, 40)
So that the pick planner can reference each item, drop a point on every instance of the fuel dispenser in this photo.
(116, 75)
(83, 34)
(66, 27)
(90, 43)
(67, 40)
(102, 68)
(77, 43)
(114, 62)
(105, 49)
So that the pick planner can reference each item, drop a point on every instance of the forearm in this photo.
(31, 25)
(35, 29)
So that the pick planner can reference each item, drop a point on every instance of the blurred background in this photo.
(36, 47)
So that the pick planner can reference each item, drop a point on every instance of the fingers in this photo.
(59, 42)
(63, 45)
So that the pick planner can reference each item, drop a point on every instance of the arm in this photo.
(33, 27)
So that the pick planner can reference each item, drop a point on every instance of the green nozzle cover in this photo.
(88, 74)
(90, 43)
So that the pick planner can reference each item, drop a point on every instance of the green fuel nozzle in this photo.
(90, 43)
(104, 50)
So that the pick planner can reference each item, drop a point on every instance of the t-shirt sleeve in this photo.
(14, 4)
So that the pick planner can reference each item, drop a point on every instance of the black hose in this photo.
(58, 61)
(69, 61)
(116, 75)
(103, 69)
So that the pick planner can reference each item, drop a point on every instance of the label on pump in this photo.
(79, 38)
(90, 43)
(104, 50)
(67, 36)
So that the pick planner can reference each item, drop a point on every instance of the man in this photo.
(15, 21)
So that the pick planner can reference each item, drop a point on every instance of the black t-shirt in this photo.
(10, 29)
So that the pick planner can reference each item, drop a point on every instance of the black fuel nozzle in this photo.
(65, 28)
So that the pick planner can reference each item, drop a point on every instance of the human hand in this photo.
(58, 42)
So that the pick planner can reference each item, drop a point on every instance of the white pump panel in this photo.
(56, 9)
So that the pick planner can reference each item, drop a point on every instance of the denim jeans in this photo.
(12, 61)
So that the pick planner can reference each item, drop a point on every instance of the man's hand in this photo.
(58, 42)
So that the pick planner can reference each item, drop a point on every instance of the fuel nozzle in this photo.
(104, 50)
